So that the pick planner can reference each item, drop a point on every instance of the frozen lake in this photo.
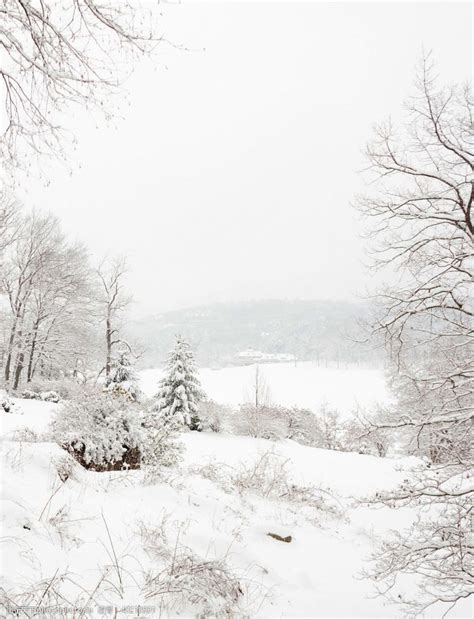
(306, 385)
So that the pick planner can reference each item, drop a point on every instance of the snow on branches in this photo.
(421, 215)
(180, 390)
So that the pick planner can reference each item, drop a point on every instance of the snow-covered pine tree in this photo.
(180, 390)
(123, 379)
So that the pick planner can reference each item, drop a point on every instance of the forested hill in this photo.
(320, 331)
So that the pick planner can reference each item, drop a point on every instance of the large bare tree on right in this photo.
(420, 213)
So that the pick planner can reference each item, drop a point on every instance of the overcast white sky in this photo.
(231, 173)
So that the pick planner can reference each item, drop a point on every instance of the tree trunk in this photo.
(40, 355)
(29, 374)
(18, 370)
(108, 343)
(11, 343)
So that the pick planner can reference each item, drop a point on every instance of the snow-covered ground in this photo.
(102, 538)
(306, 385)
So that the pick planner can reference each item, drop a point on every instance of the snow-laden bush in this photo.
(66, 388)
(123, 379)
(275, 423)
(5, 403)
(363, 438)
(101, 432)
(269, 476)
(158, 446)
(188, 581)
(50, 396)
(328, 429)
(45, 396)
(323, 428)
(216, 417)
(29, 394)
(65, 467)
(259, 422)
(25, 435)
(106, 433)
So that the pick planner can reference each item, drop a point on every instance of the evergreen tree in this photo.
(123, 378)
(180, 390)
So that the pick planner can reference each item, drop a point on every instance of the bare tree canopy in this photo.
(421, 206)
(420, 211)
(53, 54)
(8, 222)
(46, 282)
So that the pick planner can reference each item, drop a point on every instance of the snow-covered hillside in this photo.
(306, 385)
(107, 538)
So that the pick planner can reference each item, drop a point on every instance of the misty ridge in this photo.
(328, 333)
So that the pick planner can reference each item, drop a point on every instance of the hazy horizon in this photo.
(138, 315)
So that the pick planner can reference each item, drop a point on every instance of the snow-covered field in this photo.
(105, 538)
(306, 385)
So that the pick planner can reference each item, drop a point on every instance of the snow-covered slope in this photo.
(179, 543)
(306, 384)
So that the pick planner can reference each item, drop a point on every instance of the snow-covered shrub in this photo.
(365, 439)
(25, 435)
(101, 432)
(154, 536)
(123, 379)
(216, 417)
(267, 476)
(5, 403)
(70, 389)
(259, 422)
(29, 394)
(187, 581)
(329, 429)
(270, 478)
(158, 444)
(46, 396)
(50, 396)
(124, 390)
(45, 593)
(106, 433)
(300, 424)
(67, 388)
(323, 429)
(65, 467)
(275, 423)
(218, 472)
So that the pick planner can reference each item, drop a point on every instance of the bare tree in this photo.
(258, 394)
(62, 297)
(47, 282)
(420, 210)
(53, 54)
(113, 301)
(36, 242)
